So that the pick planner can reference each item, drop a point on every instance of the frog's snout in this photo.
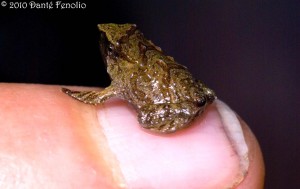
(210, 95)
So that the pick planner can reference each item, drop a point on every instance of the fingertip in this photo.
(201, 155)
(218, 150)
(251, 164)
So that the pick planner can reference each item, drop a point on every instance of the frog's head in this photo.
(114, 33)
(111, 39)
(116, 46)
(209, 94)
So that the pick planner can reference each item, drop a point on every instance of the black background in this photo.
(247, 51)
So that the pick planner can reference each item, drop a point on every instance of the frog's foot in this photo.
(167, 118)
(90, 97)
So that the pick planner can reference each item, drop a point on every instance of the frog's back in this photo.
(161, 80)
(150, 77)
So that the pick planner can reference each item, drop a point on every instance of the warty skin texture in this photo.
(164, 93)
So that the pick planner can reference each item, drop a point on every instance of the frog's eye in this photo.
(202, 102)
(112, 51)
(110, 48)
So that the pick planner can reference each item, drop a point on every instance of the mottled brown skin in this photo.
(163, 92)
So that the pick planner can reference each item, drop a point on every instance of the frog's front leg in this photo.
(167, 118)
(91, 97)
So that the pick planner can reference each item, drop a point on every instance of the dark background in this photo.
(247, 51)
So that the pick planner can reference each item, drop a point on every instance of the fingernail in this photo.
(234, 132)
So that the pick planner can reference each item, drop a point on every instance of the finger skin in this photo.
(47, 137)
(45, 143)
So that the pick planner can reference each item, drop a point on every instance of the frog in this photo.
(164, 93)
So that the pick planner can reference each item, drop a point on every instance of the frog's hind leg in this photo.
(91, 97)
(167, 118)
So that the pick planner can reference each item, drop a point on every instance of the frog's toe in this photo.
(88, 97)
(166, 128)
(166, 118)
